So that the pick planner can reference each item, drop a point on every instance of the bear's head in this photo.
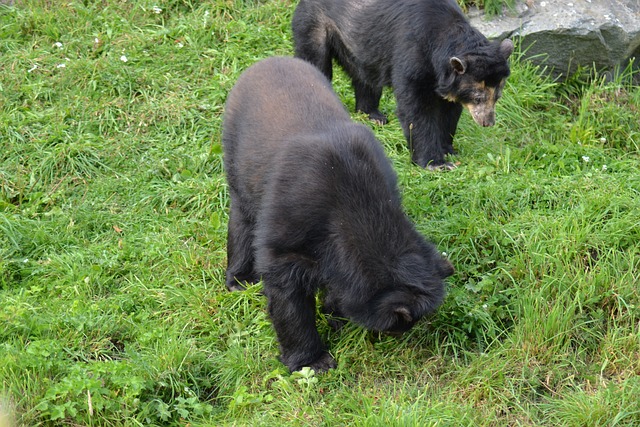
(413, 289)
(475, 80)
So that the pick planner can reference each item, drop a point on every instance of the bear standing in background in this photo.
(314, 208)
(425, 49)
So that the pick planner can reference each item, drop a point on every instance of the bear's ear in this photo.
(404, 313)
(458, 65)
(506, 48)
(445, 268)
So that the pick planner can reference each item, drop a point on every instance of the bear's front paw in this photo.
(336, 323)
(324, 363)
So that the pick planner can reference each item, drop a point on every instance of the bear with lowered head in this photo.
(436, 62)
(315, 210)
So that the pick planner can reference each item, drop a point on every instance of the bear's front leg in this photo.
(293, 312)
(335, 319)
(429, 124)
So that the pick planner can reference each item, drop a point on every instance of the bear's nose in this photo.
(488, 120)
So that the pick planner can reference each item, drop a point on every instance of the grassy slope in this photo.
(112, 241)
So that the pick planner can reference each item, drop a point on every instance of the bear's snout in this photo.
(488, 120)
(483, 114)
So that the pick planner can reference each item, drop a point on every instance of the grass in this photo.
(113, 211)
(490, 7)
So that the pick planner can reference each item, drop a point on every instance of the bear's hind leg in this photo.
(240, 258)
(368, 101)
(311, 42)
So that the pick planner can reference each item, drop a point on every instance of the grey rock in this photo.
(563, 35)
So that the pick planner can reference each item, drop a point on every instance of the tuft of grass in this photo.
(113, 214)
(490, 7)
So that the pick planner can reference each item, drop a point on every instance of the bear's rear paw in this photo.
(240, 280)
(323, 363)
(235, 286)
(447, 166)
(378, 118)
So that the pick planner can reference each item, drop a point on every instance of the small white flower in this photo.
(63, 65)
(586, 159)
(123, 58)
(157, 10)
(32, 68)
(96, 40)
(604, 168)
(58, 45)
(180, 45)
(484, 306)
(25, 260)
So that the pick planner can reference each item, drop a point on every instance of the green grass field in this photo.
(113, 212)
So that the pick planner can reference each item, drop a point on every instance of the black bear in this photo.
(315, 209)
(426, 50)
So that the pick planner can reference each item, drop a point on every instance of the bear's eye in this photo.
(479, 98)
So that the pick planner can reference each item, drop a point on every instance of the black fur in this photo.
(315, 209)
(425, 49)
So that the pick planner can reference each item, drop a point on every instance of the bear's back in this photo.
(280, 97)
(275, 100)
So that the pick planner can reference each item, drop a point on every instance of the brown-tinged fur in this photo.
(314, 208)
(426, 50)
